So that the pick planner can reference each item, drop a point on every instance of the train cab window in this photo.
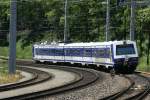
(125, 49)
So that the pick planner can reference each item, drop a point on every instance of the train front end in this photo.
(125, 56)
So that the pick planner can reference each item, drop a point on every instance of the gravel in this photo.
(104, 86)
(148, 96)
(138, 80)
(140, 84)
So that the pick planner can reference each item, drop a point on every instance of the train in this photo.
(112, 55)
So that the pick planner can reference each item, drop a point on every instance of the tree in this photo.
(4, 22)
(144, 23)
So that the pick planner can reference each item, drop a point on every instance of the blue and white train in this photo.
(118, 55)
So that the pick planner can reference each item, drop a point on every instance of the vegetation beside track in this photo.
(142, 66)
(22, 52)
(5, 77)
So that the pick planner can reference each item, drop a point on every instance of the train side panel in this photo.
(98, 55)
(102, 56)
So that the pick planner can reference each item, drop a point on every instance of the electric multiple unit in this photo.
(118, 55)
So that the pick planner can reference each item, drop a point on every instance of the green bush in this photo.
(142, 66)
(21, 53)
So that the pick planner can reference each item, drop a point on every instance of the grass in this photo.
(4, 51)
(3, 68)
(21, 53)
(5, 77)
(142, 66)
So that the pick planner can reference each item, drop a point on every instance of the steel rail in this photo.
(141, 95)
(138, 96)
(36, 79)
(87, 77)
(120, 93)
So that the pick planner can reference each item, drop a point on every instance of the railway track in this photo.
(130, 93)
(63, 89)
(144, 92)
(86, 78)
(38, 77)
(120, 93)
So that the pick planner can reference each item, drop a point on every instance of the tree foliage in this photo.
(39, 20)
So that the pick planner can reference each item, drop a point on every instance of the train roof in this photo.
(45, 44)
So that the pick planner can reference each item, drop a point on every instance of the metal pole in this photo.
(12, 38)
(107, 20)
(132, 22)
(65, 26)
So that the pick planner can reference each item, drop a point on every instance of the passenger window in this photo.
(68, 52)
(52, 52)
(101, 53)
(43, 51)
(87, 52)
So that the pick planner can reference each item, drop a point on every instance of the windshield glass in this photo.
(125, 49)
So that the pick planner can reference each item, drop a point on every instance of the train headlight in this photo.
(126, 58)
(134, 59)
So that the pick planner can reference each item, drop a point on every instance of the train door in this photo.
(67, 54)
(71, 52)
(77, 54)
(108, 55)
(112, 53)
(36, 53)
(87, 55)
(52, 54)
(99, 53)
(59, 54)
(41, 54)
(93, 54)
